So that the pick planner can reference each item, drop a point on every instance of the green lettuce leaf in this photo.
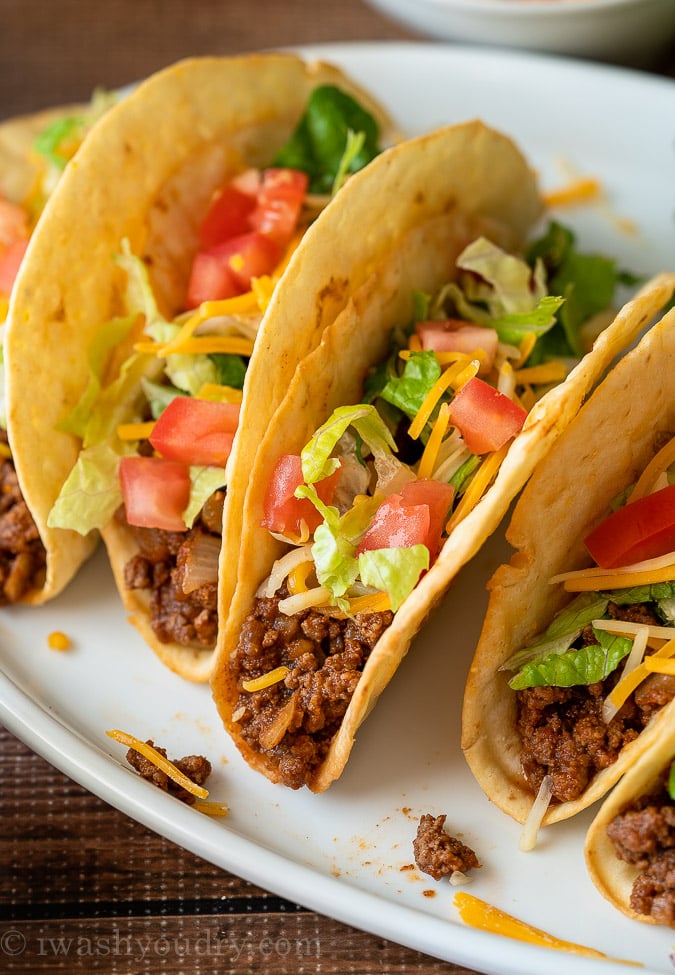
(395, 571)
(409, 390)
(642, 594)
(576, 667)
(91, 494)
(564, 629)
(102, 344)
(322, 138)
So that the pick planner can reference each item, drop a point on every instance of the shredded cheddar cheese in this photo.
(135, 431)
(297, 577)
(631, 680)
(487, 917)
(455, 376)
(527, 343)
(200, 345)
(477, 487)
(59, 641)
(266, 680)
(5, 451)
(579, 190)
(549, 372)
(428, 459)
(378, 602)
(211, 808)
(590, 580)
(219, 394)
(162, 763)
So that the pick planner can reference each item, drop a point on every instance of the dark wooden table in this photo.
(82, 887)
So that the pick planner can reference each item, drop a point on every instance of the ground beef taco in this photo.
(34, 150)
(146, 284)
(558, 701)
(401, 441)
(630, 845)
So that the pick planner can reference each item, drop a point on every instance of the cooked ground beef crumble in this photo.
(643, 834)
(294, 720)
(437, 852)
(563, 731)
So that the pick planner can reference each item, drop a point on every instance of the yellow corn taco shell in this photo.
(21, 175)
(615, 877)
(427, 198)
(147, 176)
(599, 455)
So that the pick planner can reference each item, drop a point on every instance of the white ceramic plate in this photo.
(342, 853)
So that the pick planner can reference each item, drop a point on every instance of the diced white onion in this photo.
(528, 837)
(201, 564)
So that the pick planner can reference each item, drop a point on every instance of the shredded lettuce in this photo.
(409, 390)
(91, 494)
(642, 594)
(395, 571)
(317, 462)
(564, 629)
(584, 666)
(102, 344)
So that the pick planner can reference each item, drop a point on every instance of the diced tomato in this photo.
(455, 335)
(156, 492)
(280, 201)
(486, 418)
(396, 525)
(438, 498)
(282, 511)
(643, 529)
(228, 216)
(196, 431)
(226, 270)
(10, 261)
(13, 222)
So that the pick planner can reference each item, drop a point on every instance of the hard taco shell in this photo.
(146, 174)
(422, 203)
(600, 453)
(614, 877)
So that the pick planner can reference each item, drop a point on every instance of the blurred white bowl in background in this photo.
(632, 32)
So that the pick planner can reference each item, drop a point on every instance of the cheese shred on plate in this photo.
(152, 755)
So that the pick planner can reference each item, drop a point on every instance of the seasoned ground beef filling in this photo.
(437, 852)
(294, 720)
(190, 619)
(196, 767)
(22, 554)
(644, 834)
(562, 729)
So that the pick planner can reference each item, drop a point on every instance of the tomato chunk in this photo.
(156, 492)
(10, 261)
(454, 335)
(196, 431)
(226, 270)
(280, 200)
(396, 525)
(282, 511)
(643, 529)
(486, 418)
(228, 216)
(438, 498)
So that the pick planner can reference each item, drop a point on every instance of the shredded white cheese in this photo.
(528, 837)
